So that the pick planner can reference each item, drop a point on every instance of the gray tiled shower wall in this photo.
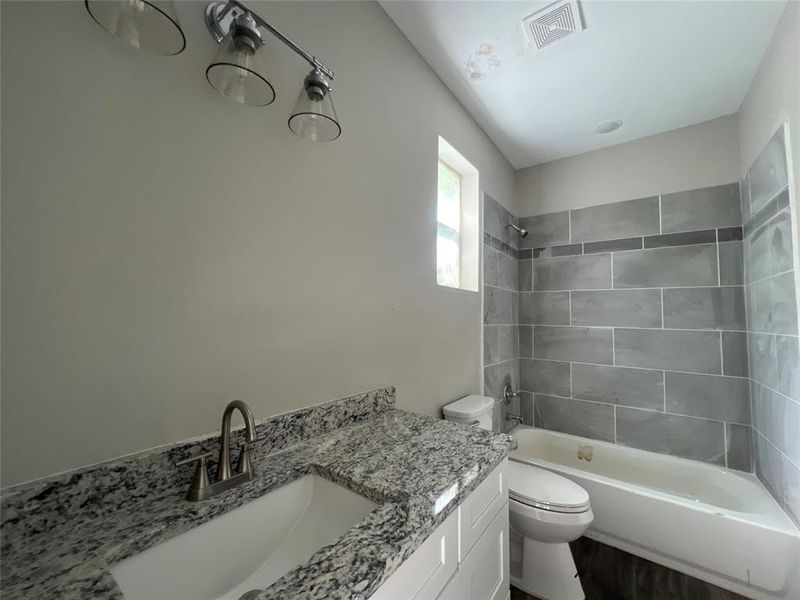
(631, 323)
(772, 324)
(501, 341)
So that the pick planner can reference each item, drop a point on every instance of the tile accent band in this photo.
(647, 242)
(769, 210)
(493, 242)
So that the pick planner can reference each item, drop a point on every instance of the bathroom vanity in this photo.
(350, 499)
(467, 557)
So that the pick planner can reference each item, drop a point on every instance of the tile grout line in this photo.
(721, 355)
(613, 347)
(643, 249)
(771, 443)
(664, 389)
(654, 369)
(641, 328)
(612, 270)
(756, 331)
(571, 390)
(725, 442)
(781, 394)
(652, 287)
(767, 278)
(569, 299)
(640, 408)
(569, 227)
(500, 362)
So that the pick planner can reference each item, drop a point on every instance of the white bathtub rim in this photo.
(775, 520)
(639, 490)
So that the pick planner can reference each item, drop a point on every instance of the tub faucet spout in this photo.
(516, 418)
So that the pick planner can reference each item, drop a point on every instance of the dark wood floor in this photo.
(610, 574)
(520, 595)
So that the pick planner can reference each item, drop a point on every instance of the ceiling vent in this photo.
(552, 23)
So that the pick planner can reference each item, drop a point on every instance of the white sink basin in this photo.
(246, 549)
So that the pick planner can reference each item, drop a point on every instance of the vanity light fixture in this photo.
(236, 70)
(314, 117)
(150, 25)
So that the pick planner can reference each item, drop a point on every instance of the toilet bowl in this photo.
(547, 511)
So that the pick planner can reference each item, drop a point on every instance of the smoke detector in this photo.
(608, 126)
(553, 23)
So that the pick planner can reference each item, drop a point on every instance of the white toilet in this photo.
(546, 512)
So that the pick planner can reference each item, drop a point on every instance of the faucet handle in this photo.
(201, 457)
(245, 464)
(509, 394)
(200, 481)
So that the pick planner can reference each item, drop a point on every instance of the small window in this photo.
(457, 242)
(448, 217)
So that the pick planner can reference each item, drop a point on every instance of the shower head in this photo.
(523, 233)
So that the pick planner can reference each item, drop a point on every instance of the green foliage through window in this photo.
(448, 217)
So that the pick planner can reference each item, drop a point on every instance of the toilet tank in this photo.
(471, 410)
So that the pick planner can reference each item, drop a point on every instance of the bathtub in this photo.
(712, 523)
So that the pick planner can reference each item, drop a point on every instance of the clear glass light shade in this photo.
(314, 117)
(150, 25)
(236, 73)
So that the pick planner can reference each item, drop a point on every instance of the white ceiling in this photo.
(656, 65)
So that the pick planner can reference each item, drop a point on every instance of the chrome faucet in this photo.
(509, 394)
(516, 418)
(201, 489)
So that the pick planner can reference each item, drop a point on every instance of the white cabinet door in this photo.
(480, 507)
(423, 574)
(483, 574)
(477, 534)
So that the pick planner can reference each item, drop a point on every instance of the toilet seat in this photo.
(544, 490)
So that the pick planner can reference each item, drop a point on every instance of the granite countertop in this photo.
(403, 461)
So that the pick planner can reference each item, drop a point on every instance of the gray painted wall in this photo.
(632, 324)
(772, 324)
(692, 157)
(165, 250)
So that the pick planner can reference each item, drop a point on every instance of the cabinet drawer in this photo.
(484, 573)
(480, 507)
(423, 574)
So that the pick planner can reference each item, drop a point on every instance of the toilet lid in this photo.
(545, 490)
(469, 407)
